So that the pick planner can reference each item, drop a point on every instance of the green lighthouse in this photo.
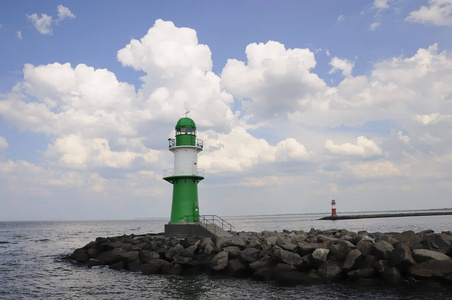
(185, 176)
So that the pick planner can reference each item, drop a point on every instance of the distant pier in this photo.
(388, 215)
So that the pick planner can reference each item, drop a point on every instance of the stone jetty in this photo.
(291, 257)
(388, 215)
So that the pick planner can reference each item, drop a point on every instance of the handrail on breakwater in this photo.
(207, 220)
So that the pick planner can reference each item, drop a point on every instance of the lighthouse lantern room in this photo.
(185, 176)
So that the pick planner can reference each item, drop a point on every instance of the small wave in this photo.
(4, 242)
(42, 240)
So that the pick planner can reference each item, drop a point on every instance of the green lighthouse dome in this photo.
(185, 122)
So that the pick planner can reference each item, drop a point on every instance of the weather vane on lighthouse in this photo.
(186, 113)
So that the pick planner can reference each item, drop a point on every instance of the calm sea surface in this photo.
(31, 266)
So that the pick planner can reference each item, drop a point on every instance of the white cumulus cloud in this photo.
(42, 24)
(344, 65)
(63, 13)
(438, 12)
(363, 147)
(381, 4)
(275, 79)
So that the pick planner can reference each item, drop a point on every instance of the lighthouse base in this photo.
(194, 229)
(186, 229)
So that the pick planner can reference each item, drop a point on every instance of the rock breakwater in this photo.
(290, 256)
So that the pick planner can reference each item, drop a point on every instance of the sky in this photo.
(297, 102)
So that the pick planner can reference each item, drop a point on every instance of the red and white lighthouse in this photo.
(333, 207)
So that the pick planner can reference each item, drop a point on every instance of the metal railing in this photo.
(172, 144)
(207, 220)
(183, 171)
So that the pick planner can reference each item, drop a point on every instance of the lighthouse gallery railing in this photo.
(207, 220)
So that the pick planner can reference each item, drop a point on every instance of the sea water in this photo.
(31, 264)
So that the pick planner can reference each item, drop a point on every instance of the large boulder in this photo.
(230, 241)
(340, 249)
(437, 242)
(432, 268)
(365, 246)
(351, 259)
(382, 249)
(146, 255)
(154, 266)
(421, 255)
(305, 248)
(233, 251)
(401, 256)
(409, 238)
(330, 270)
(291, 258)
(220, 261)
(320, 254)
(80, 255)
(250, 255)
(173, 251)
(111, 257)
(207, 245)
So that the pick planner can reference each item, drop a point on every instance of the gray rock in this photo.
(117, 266)
(254, 242)
(437, 242)
(365, 246)
(320, 254)
(264, 262)
(220, 261)
(432, 268)
(382, 249)
(421, 255)
(230, 241)
(146, 255)
(366, 261)
(111, 257)
(340, 249)
(286, 245)
(80, 255)
(330, 270)
(173, 251)
(291, 258)
(351, 259)
(190, 251)
(207, 246)
(233, 251)
(298, 237)
(409, 238)
(250, 255)
(401, 256)
(307, 248)
(153, 267)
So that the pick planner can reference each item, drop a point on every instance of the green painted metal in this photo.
(185, 122)
(185, 132)
(185, 199)
(185, 140)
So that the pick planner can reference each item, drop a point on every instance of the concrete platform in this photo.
(194, 229)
